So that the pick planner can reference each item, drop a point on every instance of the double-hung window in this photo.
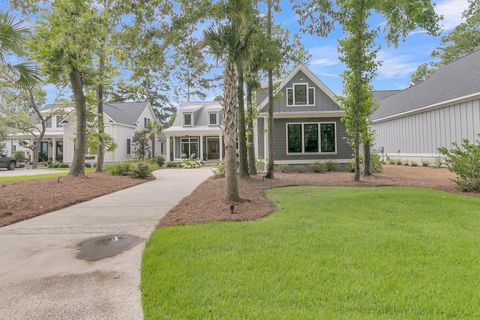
(311, 137)
(188, 119)
(213, 118)
(300, 94)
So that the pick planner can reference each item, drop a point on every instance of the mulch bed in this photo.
(206, 201)
(21, 200)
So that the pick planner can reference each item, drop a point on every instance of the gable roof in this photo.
(383, 94)
(125, 112)
(460, 78)
(310, 75)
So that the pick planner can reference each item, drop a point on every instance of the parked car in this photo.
(7, 162)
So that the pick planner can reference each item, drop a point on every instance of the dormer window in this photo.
(300, 95)
(188, 119)
(213, 118)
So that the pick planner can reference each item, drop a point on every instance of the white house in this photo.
(411, 124)
(122, 120)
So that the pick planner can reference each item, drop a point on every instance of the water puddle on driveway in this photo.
(102, 247)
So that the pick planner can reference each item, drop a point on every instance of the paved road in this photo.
(40, 276)
(26, 172)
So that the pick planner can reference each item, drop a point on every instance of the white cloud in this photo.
(396, 65)
(451, 10)
(324, 56)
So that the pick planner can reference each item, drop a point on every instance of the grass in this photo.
(325, 253)
(41, 176)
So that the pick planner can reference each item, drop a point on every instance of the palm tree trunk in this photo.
(242, 137)
(78, 163)
(251, 146)
(270, 165)
(229, 103)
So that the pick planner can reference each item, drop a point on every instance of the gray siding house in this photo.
(307, 125)
(412, 124)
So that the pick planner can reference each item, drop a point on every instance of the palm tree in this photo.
(228, 43)
(12, 41)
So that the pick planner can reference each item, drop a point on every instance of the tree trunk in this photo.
(229, 104)
(270, 165)
(36, 146)
(80, 149)
(101, 124)
(358, 71)
(242, 137)
(251, 146)
(367, 158)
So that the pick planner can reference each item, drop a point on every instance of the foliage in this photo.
(141, 145)
(282, 167)
(219, 170)
(171, 164)
(376, 162)
(159, 160)
(398, 162)
(260, 164)
(413, 163)
(438, 162)
(319, 167)
(464, 161)
(423, 72)
(191, 163)
(424, 162)
(352, 239)
(88, 165)
(93, 140)
(19, 156)
(137, 169)
(60, 165)
(331, 165)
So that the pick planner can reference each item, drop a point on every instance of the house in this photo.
(122, 120)
(411, 124)
(307, 125)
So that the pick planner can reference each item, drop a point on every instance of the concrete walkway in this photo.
(40, 276)
(27, 172)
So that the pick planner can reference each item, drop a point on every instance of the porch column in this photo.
(54, 150)
(220, 142)
(168, 148)
(201, 147)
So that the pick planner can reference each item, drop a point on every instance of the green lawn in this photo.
(326, 253)
(41, 176)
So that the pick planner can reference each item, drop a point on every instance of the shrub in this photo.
(406, 163)
(159, 160)
(301, 169)
(438, 162)
(282, 167)
(424, 163)
(414, 164)
(191, 163)
(464, 161)
(319, 167)
(376, 162)
(62, 165)
(331, 165)
(19, 155)
(391, 161)
(171, 164)
(398, 162)
(20, 165)
(88, 165)
(260, 164)
(136, 169)
(219, 170)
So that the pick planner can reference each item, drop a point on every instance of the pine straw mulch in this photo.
(206, 201)
(21, 200)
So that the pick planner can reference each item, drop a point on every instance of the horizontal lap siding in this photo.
(344, 151)
(424, 133)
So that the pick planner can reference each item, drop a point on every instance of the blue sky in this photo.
(397, 63)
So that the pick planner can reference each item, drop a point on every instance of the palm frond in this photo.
(21, 75)
(12, 35)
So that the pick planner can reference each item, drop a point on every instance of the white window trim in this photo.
(293, 93)
(303, 139)
(216, 116)
(191, 119)
(189, 140)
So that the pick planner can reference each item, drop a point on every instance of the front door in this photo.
(213, 149)
(43, 152)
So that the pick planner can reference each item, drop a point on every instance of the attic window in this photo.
(187, 119)
(213, 118)
(300, 95)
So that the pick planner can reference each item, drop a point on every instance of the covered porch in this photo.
(207, 147)
(51, 147)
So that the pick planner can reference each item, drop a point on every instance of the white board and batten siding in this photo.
(418, 136)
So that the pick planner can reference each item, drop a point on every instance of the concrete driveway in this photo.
(26, 172)
(40, 276)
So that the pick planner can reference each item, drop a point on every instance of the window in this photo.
(189, 148)
(187, 119)
(48, 123)
(300, 95)
(294, 138)
(327, 131)
(311, 138)
(213, 118)
(146, 122)
(59, 121)
(129, 146)
(289, 96)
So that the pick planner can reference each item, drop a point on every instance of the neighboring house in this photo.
(307, 125)
(122, 120)
(412, 124)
